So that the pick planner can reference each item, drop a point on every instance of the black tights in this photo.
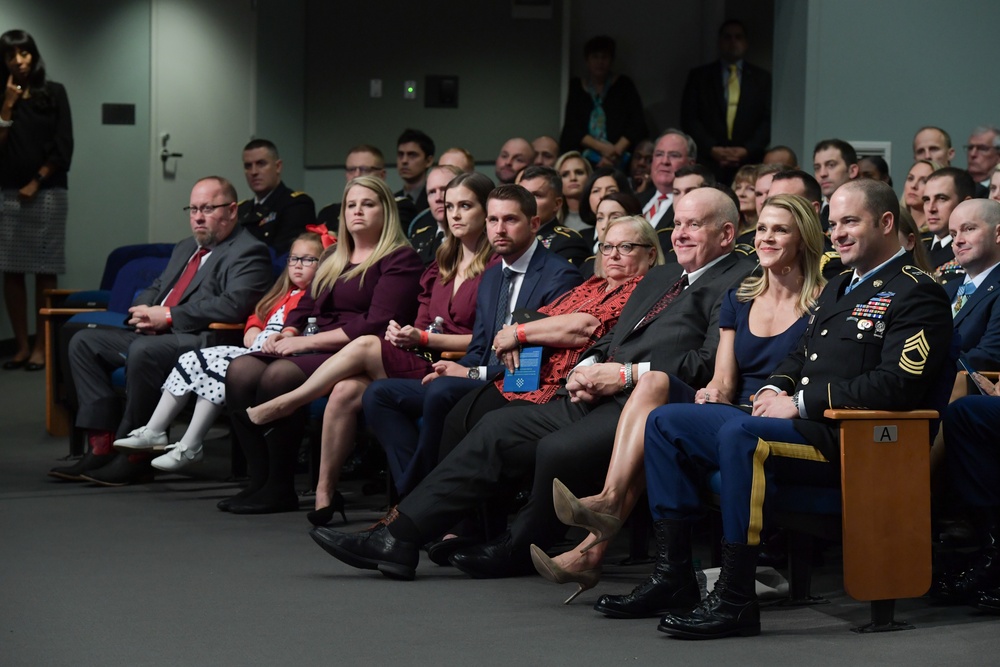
(271, 449)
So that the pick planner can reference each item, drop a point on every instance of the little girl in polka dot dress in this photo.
(203, 372)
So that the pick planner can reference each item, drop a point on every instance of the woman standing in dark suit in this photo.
(36, 145)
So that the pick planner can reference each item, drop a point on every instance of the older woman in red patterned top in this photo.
(574, 322)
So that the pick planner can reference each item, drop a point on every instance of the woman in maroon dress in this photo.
(449, 292)
(372, 277)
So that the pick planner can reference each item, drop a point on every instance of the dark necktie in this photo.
(854, 283)
(503, 306)
(185, 280)
(657, 308)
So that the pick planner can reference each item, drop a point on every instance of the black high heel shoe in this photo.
(324, 515)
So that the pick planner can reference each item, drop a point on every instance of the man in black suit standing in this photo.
(670, 324)
(215, 275)
(275, 214)
(727, 106)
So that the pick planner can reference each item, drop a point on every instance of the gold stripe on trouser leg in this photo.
(789, 450)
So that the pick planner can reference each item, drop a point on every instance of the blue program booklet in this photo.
(527, 376)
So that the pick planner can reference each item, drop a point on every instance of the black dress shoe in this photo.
(495, 560)
(374, 549)
(13, 364)
(32, 366)
(266, 504)
(121, 471)
(439, 552)
(74, 473)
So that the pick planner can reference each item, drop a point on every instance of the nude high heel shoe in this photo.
(552, 571)
(572, 513)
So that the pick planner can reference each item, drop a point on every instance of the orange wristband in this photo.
(424, 337)
(521, 336)
(170, 320)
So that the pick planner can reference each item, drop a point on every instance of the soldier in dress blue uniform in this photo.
(879, 338)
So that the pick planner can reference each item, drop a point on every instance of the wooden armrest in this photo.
(963, 383)
(58, 291)
(453, 355)
(226, 326)
(842, 414)
(55, 312)
(989, 375)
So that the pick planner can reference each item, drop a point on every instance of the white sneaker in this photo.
(141, 439)
(178, 456)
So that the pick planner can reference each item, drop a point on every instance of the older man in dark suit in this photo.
(217, 275)
(669, 324)
(727, 106)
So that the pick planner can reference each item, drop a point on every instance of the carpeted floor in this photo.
(155, 575)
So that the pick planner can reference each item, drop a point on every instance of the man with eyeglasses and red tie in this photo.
(275, 214)
(216, 275)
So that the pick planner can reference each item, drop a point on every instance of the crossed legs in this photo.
(626, 479)
(361, 357)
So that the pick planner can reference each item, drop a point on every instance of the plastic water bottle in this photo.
(437, 326)
(311, 327)
(699, 574)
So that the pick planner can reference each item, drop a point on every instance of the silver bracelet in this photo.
(629, 378)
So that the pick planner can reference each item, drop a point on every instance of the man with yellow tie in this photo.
(726, 106)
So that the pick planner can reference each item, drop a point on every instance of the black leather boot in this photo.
(671, 587)
(278, 492)
(254, 451)
(731, 608)
(968, 585)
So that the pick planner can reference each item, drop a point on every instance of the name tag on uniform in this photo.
(528, 376)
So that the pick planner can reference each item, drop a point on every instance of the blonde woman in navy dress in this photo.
(761, 322)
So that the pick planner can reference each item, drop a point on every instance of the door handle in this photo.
(166, 155)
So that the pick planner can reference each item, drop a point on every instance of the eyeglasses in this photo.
(204, 209)
(362, 171)
(982, 148)
(306, 260)
(623, 248)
